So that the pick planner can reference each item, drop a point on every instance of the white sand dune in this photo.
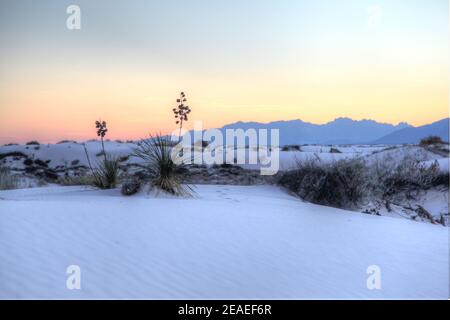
(63, 154)
(227, 242)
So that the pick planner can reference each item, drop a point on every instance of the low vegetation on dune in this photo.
(293, 147)
(33, 143)
(107, 173)
(85, 180)
(15, 154)
(436, 145)
(67, 141)
(162, 171)
(431, 140)
(349, 183)
(341, 184)
(7, 180)
(408, 175)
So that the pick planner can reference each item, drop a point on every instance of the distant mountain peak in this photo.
(340, 130)
(411, 134)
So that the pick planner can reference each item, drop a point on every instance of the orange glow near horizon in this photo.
(65, 106)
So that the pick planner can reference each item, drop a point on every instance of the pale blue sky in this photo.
(212, 33)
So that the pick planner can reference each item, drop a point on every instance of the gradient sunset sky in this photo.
(248, 60)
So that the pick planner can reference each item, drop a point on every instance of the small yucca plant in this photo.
(106, 175)
(157, 154)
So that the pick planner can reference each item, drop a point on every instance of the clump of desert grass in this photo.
(348, 183)
(8, 181)
(84, 180)
(158, 155)
(340, 184)
(408, 175)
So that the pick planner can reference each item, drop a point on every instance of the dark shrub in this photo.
(50, 174)
(40, 163)
(30, 169)
(181, 170)
(441, 179)
(143, 175)
(124, 158)
(201, 143)
(406, 175)
(34, 142)
(335, 150)
(291, 148)
(430, 141)
(346, 183)
(28, 162)
(16, 154)
(75, 162)
(131, 187)
(340, 184)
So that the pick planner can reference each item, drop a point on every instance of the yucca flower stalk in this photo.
(106, 174)
(101, 132)
(181, 111)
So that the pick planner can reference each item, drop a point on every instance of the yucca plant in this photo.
(108, 171)
(106, 174)
(157, 153)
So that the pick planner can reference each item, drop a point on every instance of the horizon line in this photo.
(116, 138)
